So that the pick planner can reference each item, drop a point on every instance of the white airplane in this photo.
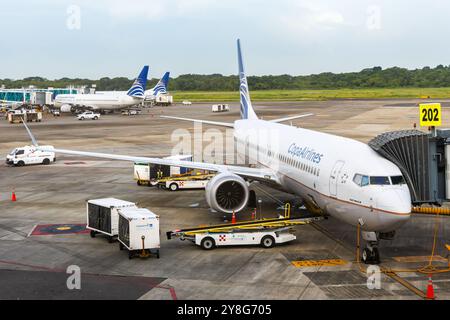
(134, 96)
(333, 175)
(159, 88)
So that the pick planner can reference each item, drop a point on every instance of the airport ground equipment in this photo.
(139, 232)
(16, 116)
(265, 238)
(30, 155)
(103, 217)
(131, 112)
(88, 115)
(220, 108)
(266, 232)
(185, 182)
(163, 100)
(186, 103)
(145, 173)
(33, 115)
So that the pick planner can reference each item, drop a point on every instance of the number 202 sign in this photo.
(430, 114)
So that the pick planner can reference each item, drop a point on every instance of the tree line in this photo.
(375, 77)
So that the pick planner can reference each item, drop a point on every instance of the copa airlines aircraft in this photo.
(159, 88)
(134, 96)
(333, 175)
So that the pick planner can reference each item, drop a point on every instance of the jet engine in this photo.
(227, 192)
(66, 108)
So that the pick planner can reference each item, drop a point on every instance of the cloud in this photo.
(155, 9)
(308, 15)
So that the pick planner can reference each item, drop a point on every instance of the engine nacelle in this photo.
(227, 192)
(66, 108)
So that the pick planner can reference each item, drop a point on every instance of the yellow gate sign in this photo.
(430, 114)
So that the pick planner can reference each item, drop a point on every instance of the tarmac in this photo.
(320, 264)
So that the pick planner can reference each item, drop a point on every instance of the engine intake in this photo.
(66, 108)
(227, 192)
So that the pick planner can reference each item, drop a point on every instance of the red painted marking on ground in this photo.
(52, 229)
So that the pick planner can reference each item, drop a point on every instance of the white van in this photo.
(29, 155)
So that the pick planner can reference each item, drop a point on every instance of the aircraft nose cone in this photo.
(396, 201)
(397, 206)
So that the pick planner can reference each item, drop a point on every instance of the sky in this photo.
(112, 38)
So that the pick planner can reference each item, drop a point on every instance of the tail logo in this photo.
(244, 97)
(138, 87)
(161, 86)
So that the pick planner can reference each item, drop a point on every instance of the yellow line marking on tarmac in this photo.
(419, 259)
(319, 263)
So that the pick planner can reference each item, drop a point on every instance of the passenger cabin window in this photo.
(397, 180)
(379, 180)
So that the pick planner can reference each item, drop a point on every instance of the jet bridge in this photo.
(422, 159)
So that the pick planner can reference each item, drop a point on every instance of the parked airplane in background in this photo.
(333, 175)
(159, 88)
(151, 94)
(103, 102)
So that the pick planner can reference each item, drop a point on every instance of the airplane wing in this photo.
(217, 123)
(245, 172)
(291, 118)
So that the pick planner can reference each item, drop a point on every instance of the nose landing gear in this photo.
(370, 254)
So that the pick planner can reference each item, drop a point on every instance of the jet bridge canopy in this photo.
(410, 151)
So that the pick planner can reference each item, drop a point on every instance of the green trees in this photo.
(375, 77)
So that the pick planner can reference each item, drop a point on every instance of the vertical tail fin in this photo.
(247, 111)
(161, 86)
(138, 87)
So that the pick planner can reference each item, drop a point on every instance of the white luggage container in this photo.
(139, 232)
(102, 216)
(220, 108)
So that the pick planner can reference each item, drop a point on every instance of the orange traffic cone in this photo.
(430, 289)
(233, 218)
(13, 196)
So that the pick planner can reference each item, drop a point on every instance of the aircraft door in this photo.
(334, 177)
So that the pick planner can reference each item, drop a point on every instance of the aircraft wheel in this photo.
(370, 256)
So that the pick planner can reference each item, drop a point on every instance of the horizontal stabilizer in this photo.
(292, 118)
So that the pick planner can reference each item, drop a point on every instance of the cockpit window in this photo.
(379, 180)
(361, 180)
(398, 180)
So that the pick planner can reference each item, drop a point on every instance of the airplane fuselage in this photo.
(338, 176)
(97, 101)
